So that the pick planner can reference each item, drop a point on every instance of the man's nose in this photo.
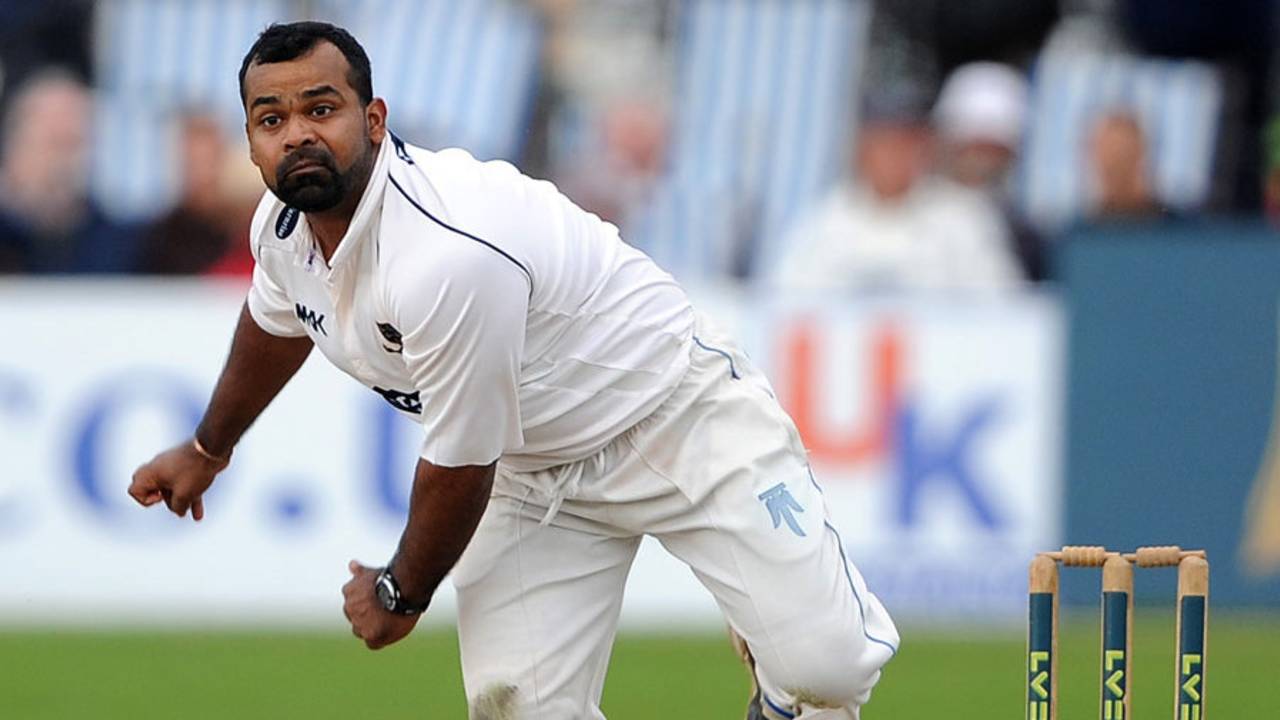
(298, 134)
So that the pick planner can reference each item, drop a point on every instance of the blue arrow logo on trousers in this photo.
(780, 503)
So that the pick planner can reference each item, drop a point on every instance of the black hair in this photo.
(282, 42)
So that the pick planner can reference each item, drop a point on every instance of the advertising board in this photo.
(934, 429)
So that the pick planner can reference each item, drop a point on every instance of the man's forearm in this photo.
(257, 367)
(444, 509)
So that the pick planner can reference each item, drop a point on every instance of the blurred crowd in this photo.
(931, 182)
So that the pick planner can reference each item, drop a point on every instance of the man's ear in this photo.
(375, 117)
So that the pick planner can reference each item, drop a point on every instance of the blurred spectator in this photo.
(47, 222)
(242, 189)
(898, 228)
(630, 33)
(1121, 172)
(624, 162)
(1237, 37)
(603, 125)
(1240, 37)
(193, 236)
(980, 116)
(980, 119)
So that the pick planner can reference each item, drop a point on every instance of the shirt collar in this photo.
(366, 210)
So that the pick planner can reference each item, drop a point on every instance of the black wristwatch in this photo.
(388, 591)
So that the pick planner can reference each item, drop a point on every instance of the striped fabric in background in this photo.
(763, 110)
(454, 73)
(180, 54)
(1178, 102)
(156, 59)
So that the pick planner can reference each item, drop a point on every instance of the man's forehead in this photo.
(322, 65)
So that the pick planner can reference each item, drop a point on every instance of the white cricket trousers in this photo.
(719, 476)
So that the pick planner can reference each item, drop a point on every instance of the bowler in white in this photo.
(572, 401)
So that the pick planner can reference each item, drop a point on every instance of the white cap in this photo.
(982, 101)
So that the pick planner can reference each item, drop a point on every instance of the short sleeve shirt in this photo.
(481, 303)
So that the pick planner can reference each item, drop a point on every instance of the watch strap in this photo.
(398, 605)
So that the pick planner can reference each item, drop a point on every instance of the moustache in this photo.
(315, 156)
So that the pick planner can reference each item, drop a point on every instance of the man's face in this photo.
(892, 157)
(1119, 154)
(47, 152)
(309, 134)
(979, 163)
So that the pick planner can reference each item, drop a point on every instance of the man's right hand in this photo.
(179, 476)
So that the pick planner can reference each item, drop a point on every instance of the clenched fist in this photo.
(371, 622)
(179, 476)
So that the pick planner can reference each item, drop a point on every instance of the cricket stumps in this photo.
(1117, 627)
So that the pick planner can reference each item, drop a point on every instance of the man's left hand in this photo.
(369, 620)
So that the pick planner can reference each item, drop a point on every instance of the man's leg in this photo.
(755, 531)
(818, 636)
(537, 613)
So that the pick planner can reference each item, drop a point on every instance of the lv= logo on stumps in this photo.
(1193, 637)
(1117, 627)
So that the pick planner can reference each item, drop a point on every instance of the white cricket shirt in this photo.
(940, 237)
(481, 303)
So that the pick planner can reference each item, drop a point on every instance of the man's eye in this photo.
(269, 120)
(322, 110)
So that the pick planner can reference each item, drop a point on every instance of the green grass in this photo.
(121, 674)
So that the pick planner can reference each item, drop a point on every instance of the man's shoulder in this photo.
(419, 248)
(948, 196)
(832, 213)
(451, 179)
(444, 212)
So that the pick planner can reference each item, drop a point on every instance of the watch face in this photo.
(386, 593)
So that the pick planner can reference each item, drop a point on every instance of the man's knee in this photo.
(833, 675)
(495, 702)
(834, 689)
(506, 701)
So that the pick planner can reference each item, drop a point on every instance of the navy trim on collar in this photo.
(463, 233)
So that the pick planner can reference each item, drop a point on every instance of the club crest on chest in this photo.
(394, 341)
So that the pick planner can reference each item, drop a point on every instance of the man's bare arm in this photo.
(257, 367)
(444, 509)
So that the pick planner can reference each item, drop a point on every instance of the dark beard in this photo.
(315, 190)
